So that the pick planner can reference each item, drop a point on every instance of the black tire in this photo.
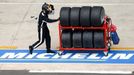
(97, 16)
(85, 15)
(99, 39)
(65, 16)
(75, 16)
(66, 38)
(87, 39)
(77, 38)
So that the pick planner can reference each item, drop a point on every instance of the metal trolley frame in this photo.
(107, 39)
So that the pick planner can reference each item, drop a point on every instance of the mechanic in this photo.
(43, 31)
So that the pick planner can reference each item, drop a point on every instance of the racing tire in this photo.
(87, 39)
(99, 39)
(66, 38)
(97, 16)
(77, 38)
(65, 16)
(75, 16)
(85, 14)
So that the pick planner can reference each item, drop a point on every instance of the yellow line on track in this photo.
(8, 47)
(122, 48)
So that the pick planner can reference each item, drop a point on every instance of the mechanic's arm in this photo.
(51, 20)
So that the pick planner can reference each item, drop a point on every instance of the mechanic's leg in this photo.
(42, 39)
(31, 47)
(48, 41)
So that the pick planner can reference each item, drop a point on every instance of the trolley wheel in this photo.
(77, 38)
(109, 46)
(97, 16)
(60, 53)
(75, 16)
(64, 16)
(85, 16)
(87, 39)
(66, 38)
(106, 53)
(99, 39)
(108, 49)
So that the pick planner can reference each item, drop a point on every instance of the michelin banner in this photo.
(40, 56)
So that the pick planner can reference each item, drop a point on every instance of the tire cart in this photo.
(86, 28)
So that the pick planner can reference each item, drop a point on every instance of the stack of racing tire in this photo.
(85, 16)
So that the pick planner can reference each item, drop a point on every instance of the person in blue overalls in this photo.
(43, 31)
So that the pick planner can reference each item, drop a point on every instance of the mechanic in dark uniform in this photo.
(43, 31)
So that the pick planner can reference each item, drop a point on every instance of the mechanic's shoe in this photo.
(50, 51)
(30, 49)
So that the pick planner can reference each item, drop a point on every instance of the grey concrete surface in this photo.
(78, 67)
(18, 29)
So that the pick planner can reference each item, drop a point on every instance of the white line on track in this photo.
(95, 72)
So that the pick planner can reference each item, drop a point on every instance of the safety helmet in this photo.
(48, 8)
(45, 6)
